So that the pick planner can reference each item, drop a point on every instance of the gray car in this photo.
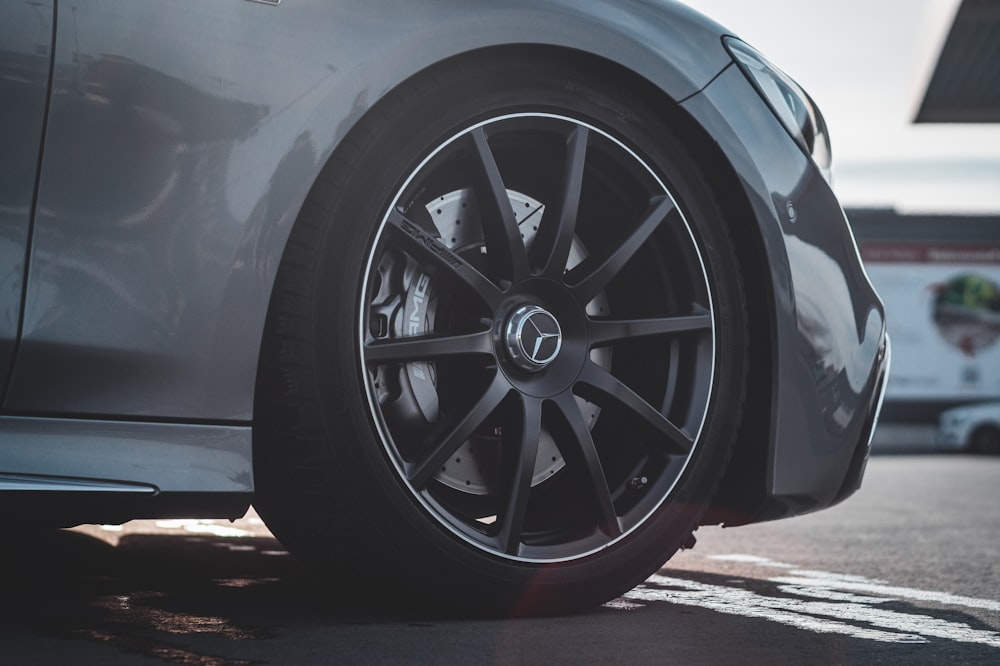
(521, 292)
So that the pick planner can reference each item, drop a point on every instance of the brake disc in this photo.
(408, 298)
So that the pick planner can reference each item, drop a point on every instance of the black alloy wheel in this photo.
(506, 319)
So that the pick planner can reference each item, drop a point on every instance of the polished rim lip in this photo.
(376, 414)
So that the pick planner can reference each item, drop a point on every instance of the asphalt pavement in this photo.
(904, 572)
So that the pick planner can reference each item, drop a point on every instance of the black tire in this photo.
(587, 465)
(985, 440)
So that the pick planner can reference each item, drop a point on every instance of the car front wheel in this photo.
(506, 352)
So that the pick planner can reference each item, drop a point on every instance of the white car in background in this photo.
(971, 427)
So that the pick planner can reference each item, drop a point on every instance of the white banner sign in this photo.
(943, 315)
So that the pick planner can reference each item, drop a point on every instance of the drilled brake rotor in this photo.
(408, 302)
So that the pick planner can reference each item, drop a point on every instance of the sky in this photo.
(867, 64)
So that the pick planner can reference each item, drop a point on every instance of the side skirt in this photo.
(68, 471)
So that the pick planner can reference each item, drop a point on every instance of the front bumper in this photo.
(828, 349)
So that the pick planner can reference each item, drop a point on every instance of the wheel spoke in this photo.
(505, 249)
(594, 280)
(583, 443)
(598, 379)
(603, 332)
(445, 441)
(424, 247)
(426, 348)
(556, 236)
(522, 468)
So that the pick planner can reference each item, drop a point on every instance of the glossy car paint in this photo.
(176, 159)
(160, 227)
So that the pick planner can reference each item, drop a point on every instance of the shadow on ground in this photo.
(139, 595)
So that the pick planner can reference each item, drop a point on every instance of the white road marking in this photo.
(823, 602)
(736, 601)
(751, 559)
(878, 587)
(826, 579)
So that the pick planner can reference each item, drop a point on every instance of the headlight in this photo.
(793, 107)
